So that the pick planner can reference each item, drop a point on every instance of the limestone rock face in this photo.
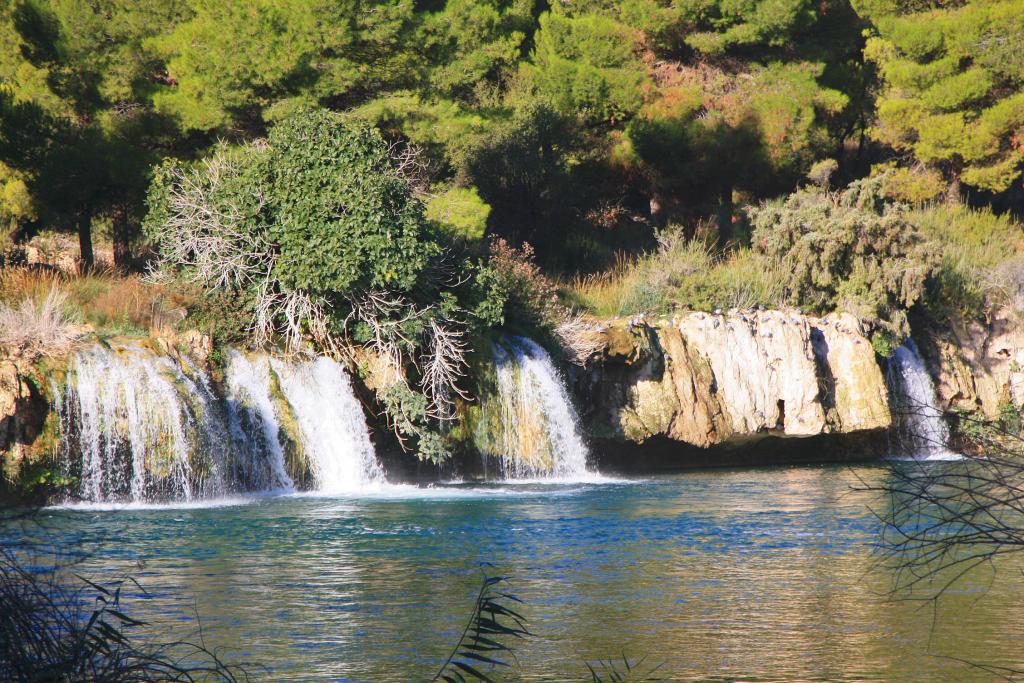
(22, 414)
(854, 389)
(708, 379)
(980, 367)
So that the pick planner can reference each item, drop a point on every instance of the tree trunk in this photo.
(86, 259)
(953, 195)
(122, 239)
(657, 209)
(725, 215)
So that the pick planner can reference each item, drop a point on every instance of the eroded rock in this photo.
(706, 379)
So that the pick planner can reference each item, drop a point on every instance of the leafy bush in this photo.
(854, 252)
(340, 215)
(318, 209)
(319, 234)
(531, 298)
(460, 212)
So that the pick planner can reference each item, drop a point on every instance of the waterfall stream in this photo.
(921, 427)
(138, 426)
(331, 424)
(131, 421)
(255, 424)
(539, 429)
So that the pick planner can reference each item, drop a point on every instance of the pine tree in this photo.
(953, 87)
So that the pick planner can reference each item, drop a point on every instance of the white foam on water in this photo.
(89, 506)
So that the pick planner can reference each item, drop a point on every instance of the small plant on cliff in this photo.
(852, 250)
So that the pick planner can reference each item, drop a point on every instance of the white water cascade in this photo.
(923, 432)
(331, 422)
(132, 422)
(138, 426)
(539, 436)
(255, 424)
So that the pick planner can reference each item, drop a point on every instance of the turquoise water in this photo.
(752, 575)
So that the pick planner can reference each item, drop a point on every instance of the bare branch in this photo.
(580, 338)
(444, 364)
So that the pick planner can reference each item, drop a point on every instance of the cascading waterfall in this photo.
(133, 422)
(331, 422)
(137, 426)
(923, 431)
(255, 424)
(539, 433)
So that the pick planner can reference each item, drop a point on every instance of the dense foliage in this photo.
(580, 127)
(319, 235)
(952, 91)
(853, 251)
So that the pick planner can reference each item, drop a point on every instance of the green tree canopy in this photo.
(472, 46)
(953, 87)
(588, 66)
(716, 26)
(77, 78)
(243, 64)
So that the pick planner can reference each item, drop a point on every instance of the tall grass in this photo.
(982, 257)
(39, 327)
(109, 302)
(681, 274)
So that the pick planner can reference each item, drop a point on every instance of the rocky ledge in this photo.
(707, 380)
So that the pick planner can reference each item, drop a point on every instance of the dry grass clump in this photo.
(43, 327)
(580, 337)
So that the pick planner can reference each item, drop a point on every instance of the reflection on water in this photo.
(757, 575)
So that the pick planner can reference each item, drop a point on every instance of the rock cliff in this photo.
(706, 379)
(979, 366)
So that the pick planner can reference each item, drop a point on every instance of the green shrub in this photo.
(856, 253)
(315, 234)
(981, 255)
(460, 212)
(531, 298)
(319, 203)
(341, 217)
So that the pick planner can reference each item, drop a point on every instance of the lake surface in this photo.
(748, 575)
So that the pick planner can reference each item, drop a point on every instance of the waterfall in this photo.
(923, 431)
(255, 424)
(539, 436)
(138, 426)
(331, 422)
(132, 424)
